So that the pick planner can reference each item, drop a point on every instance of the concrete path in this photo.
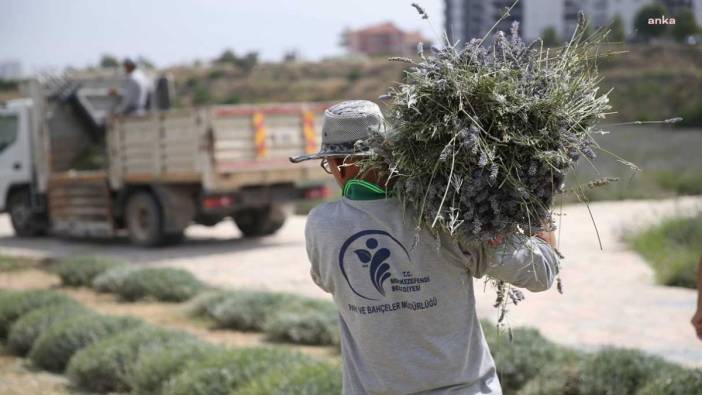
(610, 296)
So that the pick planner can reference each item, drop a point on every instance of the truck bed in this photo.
(222, 147)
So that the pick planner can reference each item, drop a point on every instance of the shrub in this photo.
(105, 365)
(223, 371)
(164, 284)
(672, 249)
(156, 365)
(112, 280)
(15, 304)
(678, 382)
(55, 347)
(561, 378)
(246, 310)
(521, 359)
(202, 304)
(312, 322)
(26, 330)
(79, 271)
(620, 371)
(306, 379)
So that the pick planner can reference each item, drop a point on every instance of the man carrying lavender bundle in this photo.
(405, 295)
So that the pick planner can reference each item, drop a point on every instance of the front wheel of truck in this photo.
(264, 221)
(25, 220)
(144, 220)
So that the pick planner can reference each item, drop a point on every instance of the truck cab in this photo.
(17, 169)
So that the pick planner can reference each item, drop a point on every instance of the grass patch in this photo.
(28, 328)
(672, 248)
(306, 379)
(15, 304)
(304, 322)
(79, 271)
(669, 160)
(164, 284)
(222, 372)
(15, 264)
(106, 366)
(55, 347)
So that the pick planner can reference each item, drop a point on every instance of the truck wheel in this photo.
(144, 220)
(260, 221)
(25, 221)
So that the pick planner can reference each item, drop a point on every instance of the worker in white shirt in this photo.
(136, 90)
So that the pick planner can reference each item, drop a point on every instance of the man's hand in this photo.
(548, 236)
(697, 323)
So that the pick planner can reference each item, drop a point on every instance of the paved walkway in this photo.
(610, 296)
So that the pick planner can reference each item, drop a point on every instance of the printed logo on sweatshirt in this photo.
(374, 263)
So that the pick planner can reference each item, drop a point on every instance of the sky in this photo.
(53, 34)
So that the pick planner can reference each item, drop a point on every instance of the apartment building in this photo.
(466, 19)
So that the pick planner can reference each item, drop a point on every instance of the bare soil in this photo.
(17, 378)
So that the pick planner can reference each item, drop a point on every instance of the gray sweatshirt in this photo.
(407, 315)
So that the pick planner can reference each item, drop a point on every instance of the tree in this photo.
(228, 56)
(248, 62)
(616, 30)
(685, 25)
(245, 63)
(108, 61)
(550, 37)
(641, 21)
(145, 62)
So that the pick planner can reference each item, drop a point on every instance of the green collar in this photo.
(363, 190)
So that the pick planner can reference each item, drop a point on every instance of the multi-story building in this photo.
(466, 19)
(383, 39)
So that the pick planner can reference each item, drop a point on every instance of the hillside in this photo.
(649, 82)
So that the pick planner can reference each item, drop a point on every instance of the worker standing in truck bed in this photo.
(136, 90)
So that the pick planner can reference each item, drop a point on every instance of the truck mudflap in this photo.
(80, 204)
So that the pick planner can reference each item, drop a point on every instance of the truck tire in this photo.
(144, 220)
(25, 220)
(257, 222)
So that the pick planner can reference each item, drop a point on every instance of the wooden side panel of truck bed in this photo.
(224, 147)
(161, 147)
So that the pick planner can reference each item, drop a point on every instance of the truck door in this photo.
(15, 151)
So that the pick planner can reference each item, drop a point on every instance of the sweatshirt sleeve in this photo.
(525, 262)
(313, 254)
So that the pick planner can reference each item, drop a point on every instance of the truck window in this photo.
(8, 130)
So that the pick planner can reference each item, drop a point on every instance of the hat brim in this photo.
(327, 154)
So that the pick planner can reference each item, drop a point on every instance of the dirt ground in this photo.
(16, 378)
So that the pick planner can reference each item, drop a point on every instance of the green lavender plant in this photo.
(483, 135)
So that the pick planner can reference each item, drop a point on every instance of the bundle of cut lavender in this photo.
(483, 135)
